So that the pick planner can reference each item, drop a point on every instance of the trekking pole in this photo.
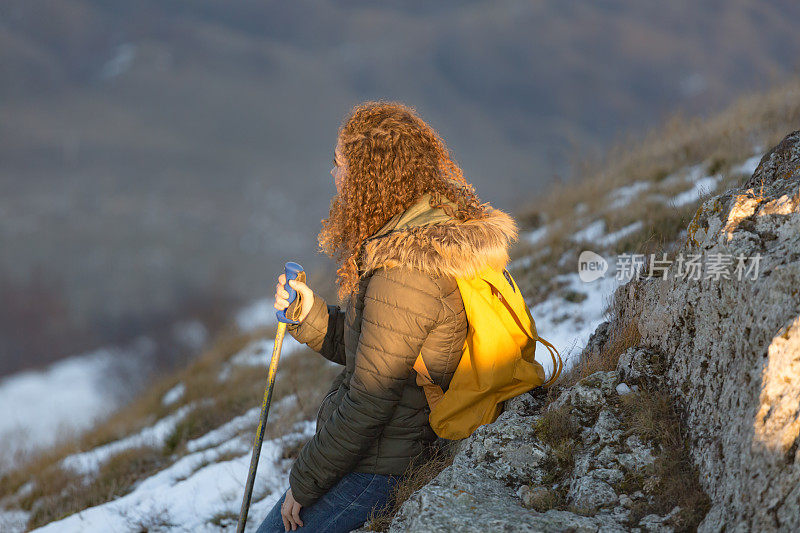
(293, 271)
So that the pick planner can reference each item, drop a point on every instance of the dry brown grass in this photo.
(59, 493)
(674, 481)
(556, 426)
(300, 375)
(717, 143)
(417, 477)
(622, 337)
(662, 227)
(727, 138)
(558, 429)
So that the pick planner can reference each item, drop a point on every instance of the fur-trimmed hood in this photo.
(430, 240)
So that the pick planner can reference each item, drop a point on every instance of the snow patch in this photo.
(612, 238)
(749, 166)
(535, 237)
(41, 408)
(195, 490)
(595, 234)
(591, 232)
(173, 395)
(702, 187)
(13, 520)
(623, 195)
(258, 314)
(521, 263)
(89, 462)
(568, 325)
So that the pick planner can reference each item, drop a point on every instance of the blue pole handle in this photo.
(293, 271)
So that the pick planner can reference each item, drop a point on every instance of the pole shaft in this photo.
(251, 476)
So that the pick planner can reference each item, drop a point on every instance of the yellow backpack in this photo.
(497, 362)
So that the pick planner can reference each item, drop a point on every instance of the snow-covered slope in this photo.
(202, 490)
(571, 312)
(42, 408)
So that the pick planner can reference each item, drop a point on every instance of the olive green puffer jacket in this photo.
(375, 417)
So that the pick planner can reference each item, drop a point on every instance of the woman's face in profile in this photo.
(338, 169)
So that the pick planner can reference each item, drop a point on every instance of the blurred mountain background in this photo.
(161, 160)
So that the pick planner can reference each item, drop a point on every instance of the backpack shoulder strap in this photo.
(558, 364)
(514, 302)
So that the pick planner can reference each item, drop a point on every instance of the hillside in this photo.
(608, 447)
(146, 148)
(681, 412)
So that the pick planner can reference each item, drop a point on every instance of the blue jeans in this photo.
(343, 508)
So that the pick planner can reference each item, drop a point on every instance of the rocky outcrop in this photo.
(568, 467)
(731, 347)
(725, 346)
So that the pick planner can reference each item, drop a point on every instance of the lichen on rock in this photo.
(502, 476)
(731, 348)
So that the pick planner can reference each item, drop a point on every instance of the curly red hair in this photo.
(392, 158)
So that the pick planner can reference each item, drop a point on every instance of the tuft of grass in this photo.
(632, 482)
(718, 164)
(650, 414)
(675, 480)
(556, 426)
(557, 429)
(156, 520)
(574, 296)
(51, 482)
(582, 510)
(196, 423)
(545, 499)
(417, 476)
(622, 337)
(660, 232)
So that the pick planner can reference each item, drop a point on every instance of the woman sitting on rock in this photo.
(403, 225)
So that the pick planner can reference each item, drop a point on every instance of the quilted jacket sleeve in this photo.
(322, 330)
(399, 312)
